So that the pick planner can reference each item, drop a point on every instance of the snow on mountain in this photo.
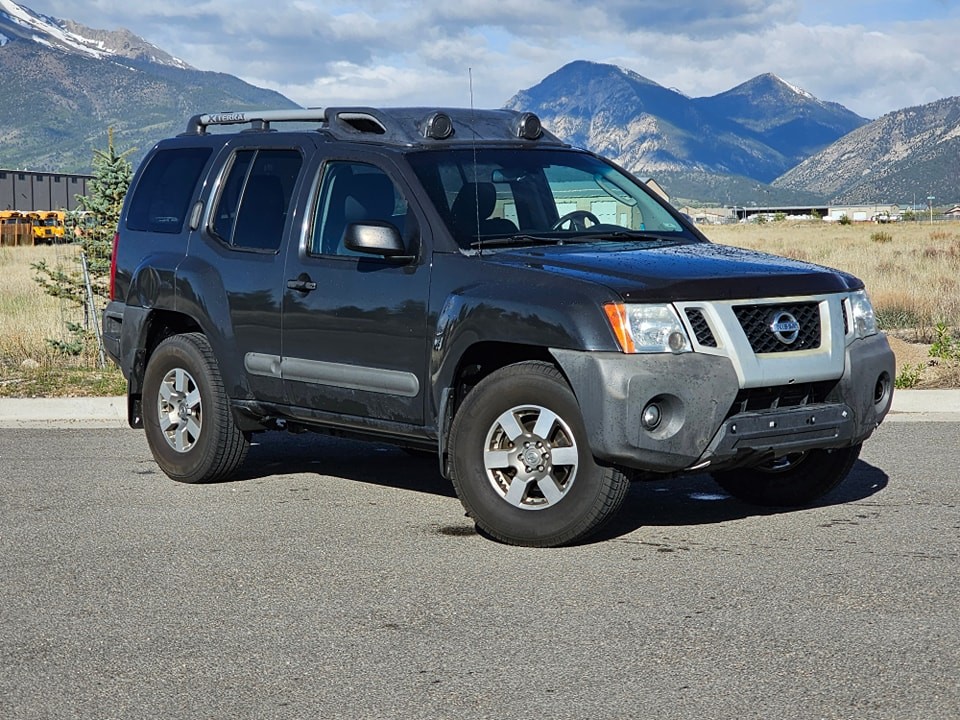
(22, 23)
(67, 84)
(42, 28)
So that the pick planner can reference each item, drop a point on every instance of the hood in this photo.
(696, 271)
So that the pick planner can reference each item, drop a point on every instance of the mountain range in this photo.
(759, 129)
(906, 155)
(63, 84)
(765, 141)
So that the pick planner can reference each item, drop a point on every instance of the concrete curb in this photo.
(111, 412)
(925, 406)
(101, 412)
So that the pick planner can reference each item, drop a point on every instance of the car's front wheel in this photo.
(521, 463)
(186, 413)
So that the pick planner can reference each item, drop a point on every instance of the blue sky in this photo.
(873, 57)
(873, 13)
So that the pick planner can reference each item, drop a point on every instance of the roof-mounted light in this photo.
(529, 127)
(438, 126)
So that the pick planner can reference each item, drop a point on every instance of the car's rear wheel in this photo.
(791, 481)
(521, 463)
(187, 418)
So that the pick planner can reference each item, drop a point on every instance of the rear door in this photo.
(241, 246)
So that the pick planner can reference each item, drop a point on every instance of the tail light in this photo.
(113, 266)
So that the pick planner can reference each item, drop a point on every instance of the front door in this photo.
(354, 325)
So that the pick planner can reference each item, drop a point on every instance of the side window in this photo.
(255, 197)
(162, 196)
(352, 192)
(229, 202)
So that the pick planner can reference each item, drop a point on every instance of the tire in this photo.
(186, 413)
(791, 481)
(521, 464)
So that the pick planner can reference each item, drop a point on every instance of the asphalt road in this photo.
(341, 580)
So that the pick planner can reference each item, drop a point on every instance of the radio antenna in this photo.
(476, 180)
(470, 80)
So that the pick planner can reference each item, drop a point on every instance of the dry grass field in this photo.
(912, 272)
(30, 364)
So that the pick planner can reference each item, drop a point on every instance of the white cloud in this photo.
(388, 52)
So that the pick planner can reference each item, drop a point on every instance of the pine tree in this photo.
(100, 213)
(112, 173)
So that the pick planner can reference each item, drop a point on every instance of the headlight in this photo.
(864, 321)
(647, 328)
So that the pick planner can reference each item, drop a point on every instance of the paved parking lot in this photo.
(341, 580)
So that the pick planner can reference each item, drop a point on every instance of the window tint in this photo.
(354, 193)
(255, 198)
(229, 202)
(162, 195)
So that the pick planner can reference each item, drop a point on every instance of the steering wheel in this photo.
(577, 219)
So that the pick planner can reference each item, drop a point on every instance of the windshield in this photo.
(508, 196)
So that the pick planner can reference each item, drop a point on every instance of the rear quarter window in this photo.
(162, 196)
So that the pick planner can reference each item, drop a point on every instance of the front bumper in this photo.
(702, 421)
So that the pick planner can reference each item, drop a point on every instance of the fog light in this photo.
(651, 417)
(881, 389)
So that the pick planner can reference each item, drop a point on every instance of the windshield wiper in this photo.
(519, 239)
(525, 239)
(632, 235)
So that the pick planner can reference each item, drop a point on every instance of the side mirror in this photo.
(375, 238)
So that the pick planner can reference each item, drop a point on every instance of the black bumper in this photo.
(696, 393)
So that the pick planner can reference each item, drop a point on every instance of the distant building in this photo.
(706, 216)
(829, 213)
(27, 191)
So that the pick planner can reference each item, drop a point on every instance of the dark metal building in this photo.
(26, 190)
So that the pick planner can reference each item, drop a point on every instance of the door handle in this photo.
(302, 284)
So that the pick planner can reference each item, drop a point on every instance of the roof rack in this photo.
(407, 126)
(198, 124)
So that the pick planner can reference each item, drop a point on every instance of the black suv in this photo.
(463, 282)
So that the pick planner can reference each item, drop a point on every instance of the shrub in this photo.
(945, 347)
(881, 237)
(909, 376)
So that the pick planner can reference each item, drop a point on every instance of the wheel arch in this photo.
(155, 328)
(479, 361)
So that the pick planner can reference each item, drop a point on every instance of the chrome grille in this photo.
(756, 321)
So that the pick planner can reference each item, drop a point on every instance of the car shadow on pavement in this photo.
(698, 500)
(678, 501)
(280, 453)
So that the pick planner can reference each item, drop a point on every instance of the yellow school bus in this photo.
(16, 228)
(48, 226)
